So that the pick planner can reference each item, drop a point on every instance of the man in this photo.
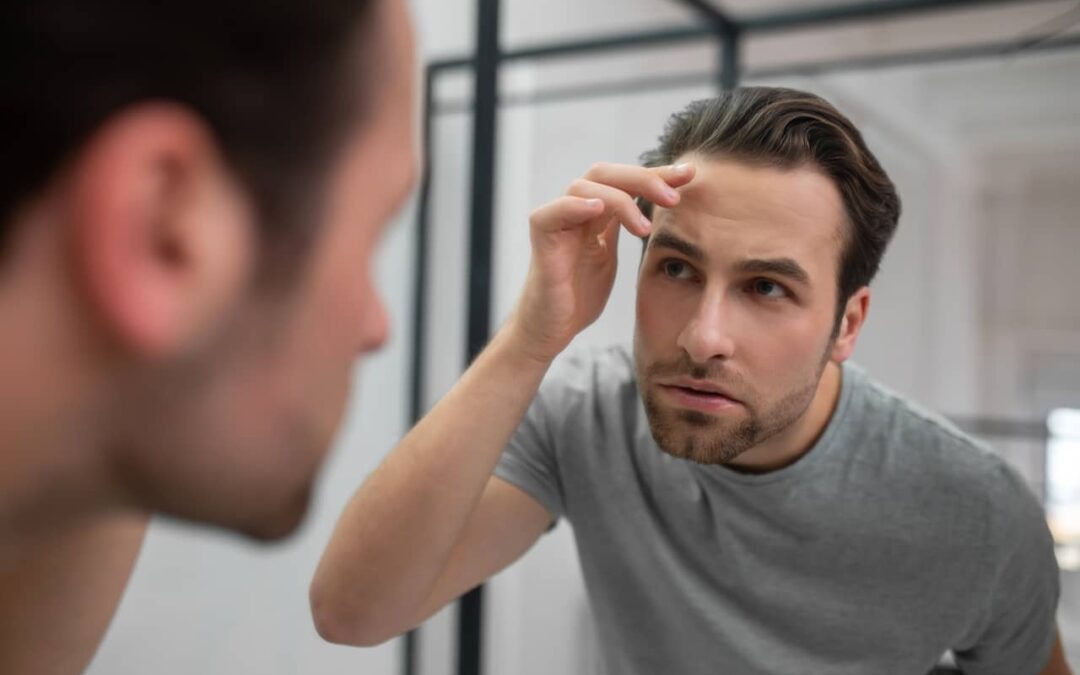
(743, 501)
(191, 196)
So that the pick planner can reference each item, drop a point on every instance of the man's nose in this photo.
(707, 335)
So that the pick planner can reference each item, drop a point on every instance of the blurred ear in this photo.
(851, 323)
(163, 240)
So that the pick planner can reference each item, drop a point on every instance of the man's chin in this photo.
(272, 526)
(698, 437)
(685, 450)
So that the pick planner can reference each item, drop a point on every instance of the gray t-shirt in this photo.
(894, 539)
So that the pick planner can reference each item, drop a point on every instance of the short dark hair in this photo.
(787, 128)
(269, 79)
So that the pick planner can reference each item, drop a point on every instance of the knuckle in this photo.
(578, 186)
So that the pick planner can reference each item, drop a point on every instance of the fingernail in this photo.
(670, 193)
(645, 224)
(680, 169)
(593, 203)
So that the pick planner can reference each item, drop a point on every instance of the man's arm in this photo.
(57, 602)
(431, 522)
(381, 573)
(1057, 665)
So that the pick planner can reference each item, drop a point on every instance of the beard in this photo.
(712, 439)
(220, 436)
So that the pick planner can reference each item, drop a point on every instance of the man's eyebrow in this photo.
(788, 268)
(668, 240)
(784, 267)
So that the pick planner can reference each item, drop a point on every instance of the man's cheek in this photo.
(654, 318)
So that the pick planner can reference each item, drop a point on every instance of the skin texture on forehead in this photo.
(771, 212)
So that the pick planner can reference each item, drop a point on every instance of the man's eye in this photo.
(768, 289)
(676, 269)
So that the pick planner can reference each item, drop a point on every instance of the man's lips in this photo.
(697, 394)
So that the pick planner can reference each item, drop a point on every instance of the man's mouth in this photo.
(700, 395)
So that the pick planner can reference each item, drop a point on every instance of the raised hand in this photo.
(574, 243)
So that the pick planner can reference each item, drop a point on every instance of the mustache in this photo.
(684, 365)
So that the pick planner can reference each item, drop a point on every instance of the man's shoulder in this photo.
(924, 447)
(590, 385)
(586, 369)
(884, 411)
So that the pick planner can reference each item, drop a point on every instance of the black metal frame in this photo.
(486, 63)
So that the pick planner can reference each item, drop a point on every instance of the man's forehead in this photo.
(741, 189)
(757, 211)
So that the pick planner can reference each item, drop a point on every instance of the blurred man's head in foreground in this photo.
(190, 199)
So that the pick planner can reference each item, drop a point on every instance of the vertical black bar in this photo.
(470, 607)
(419, 341)
(483, 177)
(411, 644)
(730, 56)
(728, 32)
(470, 627)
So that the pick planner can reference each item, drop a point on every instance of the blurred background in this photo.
(973, 109)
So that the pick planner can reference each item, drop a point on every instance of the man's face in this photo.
(736, 307)
(242, 427)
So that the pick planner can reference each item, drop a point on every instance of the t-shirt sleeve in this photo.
(1018, 626)
(529, 460)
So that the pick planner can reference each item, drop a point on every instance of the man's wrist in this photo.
(514, 343)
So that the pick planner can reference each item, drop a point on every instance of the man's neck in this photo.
(49, 476)
(789, 445)
(49, 479)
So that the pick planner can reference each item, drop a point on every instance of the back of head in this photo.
(161, 159)
(787, 128)
(265, 77)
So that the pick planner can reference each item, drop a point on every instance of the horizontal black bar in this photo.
(588, 91)
(945, 54)
(807, 18)
(668, 82)
(880, 9)
(654, 38)
(452, 63)
(645, 39)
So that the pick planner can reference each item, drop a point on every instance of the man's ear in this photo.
(851, 322)
(162, 236)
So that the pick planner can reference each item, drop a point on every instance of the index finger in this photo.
(657, 184)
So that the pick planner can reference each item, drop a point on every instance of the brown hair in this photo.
(267, 78)
(787, 128)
